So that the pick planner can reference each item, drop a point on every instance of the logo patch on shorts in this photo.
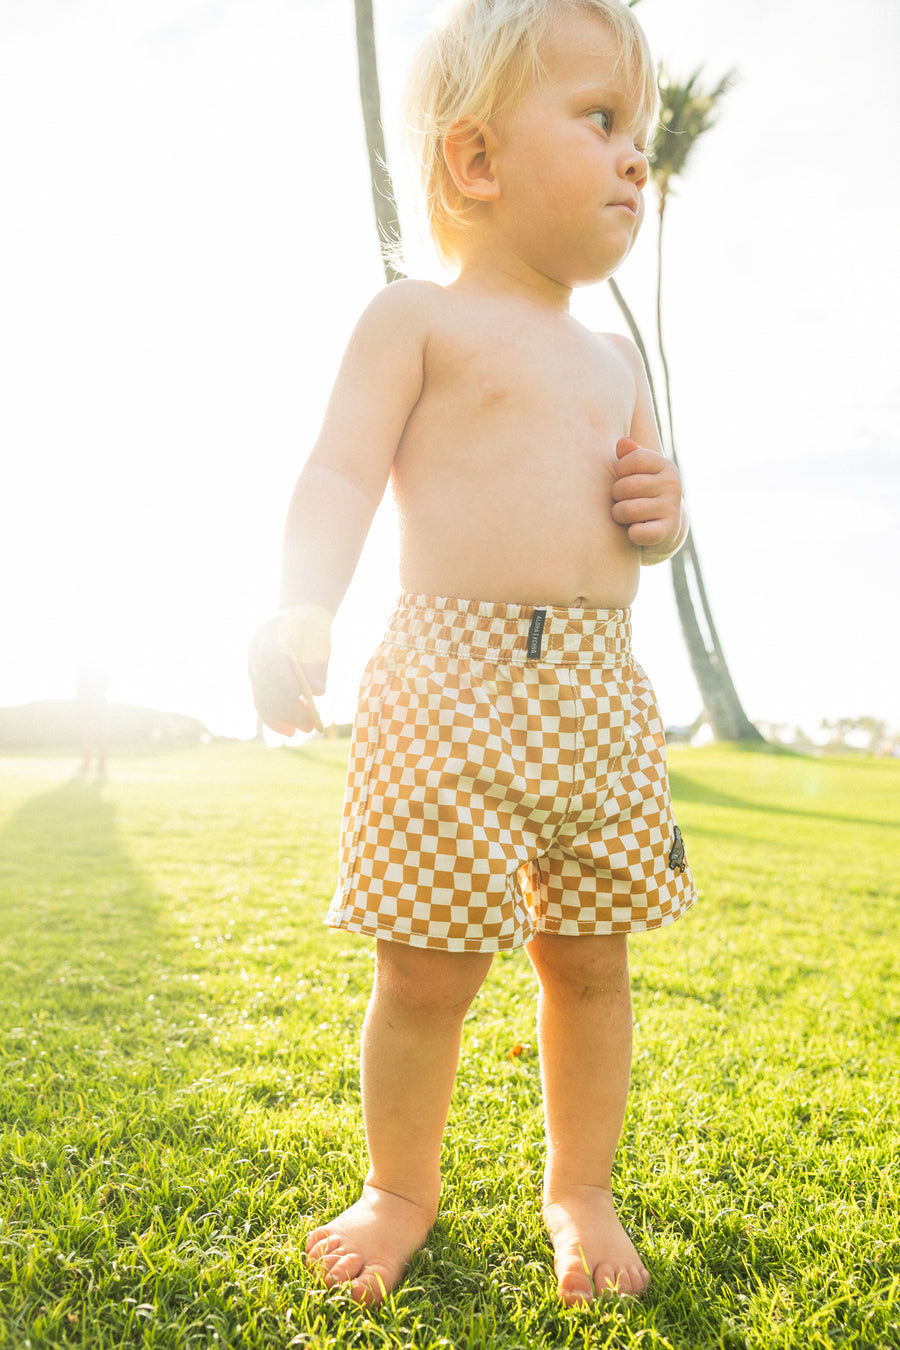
(677, 860)
(536, 634)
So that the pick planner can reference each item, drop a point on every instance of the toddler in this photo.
(507, 782)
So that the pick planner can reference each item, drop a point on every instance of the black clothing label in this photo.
(536, 634)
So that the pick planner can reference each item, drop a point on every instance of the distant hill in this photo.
(57, 724)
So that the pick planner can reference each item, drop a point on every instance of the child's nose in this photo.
(636, 167)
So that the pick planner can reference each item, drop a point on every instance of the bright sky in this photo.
(187, 239)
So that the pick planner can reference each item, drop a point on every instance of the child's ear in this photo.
(469, 149)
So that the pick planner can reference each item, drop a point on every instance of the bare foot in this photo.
(593, 1253)
(369, 1246)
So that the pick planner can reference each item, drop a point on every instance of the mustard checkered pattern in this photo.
(507, 776)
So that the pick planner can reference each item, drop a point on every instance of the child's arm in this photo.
(647, 492)
(336, 496)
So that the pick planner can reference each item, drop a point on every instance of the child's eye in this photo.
(603, 119)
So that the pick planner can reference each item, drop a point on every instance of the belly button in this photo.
(580, 602)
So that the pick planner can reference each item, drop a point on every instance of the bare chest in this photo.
(531, 377)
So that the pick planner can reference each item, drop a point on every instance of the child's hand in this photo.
(288, 664)
(647, 497)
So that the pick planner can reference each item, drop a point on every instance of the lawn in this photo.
(178, 1077)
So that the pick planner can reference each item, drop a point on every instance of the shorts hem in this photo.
(430, 940)
(604, 928)
(557, 927)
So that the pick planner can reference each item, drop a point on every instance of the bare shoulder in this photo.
(387, 347)
(624, 348)
(379, 382)
(403, 306)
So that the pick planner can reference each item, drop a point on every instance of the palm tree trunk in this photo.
(723, 706)
(659, 328)
(386, 215)
(638, 341)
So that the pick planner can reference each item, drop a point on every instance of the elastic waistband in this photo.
(517, 634)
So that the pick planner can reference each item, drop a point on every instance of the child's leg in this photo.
(584, 1034)
(410, 1047)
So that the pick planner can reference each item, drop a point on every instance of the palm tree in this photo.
(687, 112)
(386, 215)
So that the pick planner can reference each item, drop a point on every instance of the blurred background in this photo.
(187, 239)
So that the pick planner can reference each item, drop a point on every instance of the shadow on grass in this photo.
(688, 790)
(70, 885)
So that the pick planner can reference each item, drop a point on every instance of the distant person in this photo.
(91, 689)
(507, 780)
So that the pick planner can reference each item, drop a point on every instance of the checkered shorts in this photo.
(507, 777)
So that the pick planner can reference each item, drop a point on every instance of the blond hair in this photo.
(486, 57)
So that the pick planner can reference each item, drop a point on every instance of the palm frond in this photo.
(687, 111)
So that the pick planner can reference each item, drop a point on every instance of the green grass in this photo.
(179, 1089)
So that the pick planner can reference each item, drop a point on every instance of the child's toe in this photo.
(608, 1279)
(343, 1269)
(575, 1291)
(317, 1242)
(574, 1281)
(324, 1252)
(639, 1276)
(372, 1285)
(626, 1279)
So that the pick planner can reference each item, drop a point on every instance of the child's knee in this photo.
(427, 981)
(587, 967)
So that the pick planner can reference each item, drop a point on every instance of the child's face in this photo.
(569, 169)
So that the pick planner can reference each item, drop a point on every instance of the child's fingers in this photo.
(282, 728)
(648, 533)
(286, 717)
(282, 710)
(307, 695)
(645, 486)
(288, 658)
(281, 700)
(636, 511)
(640, 464)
